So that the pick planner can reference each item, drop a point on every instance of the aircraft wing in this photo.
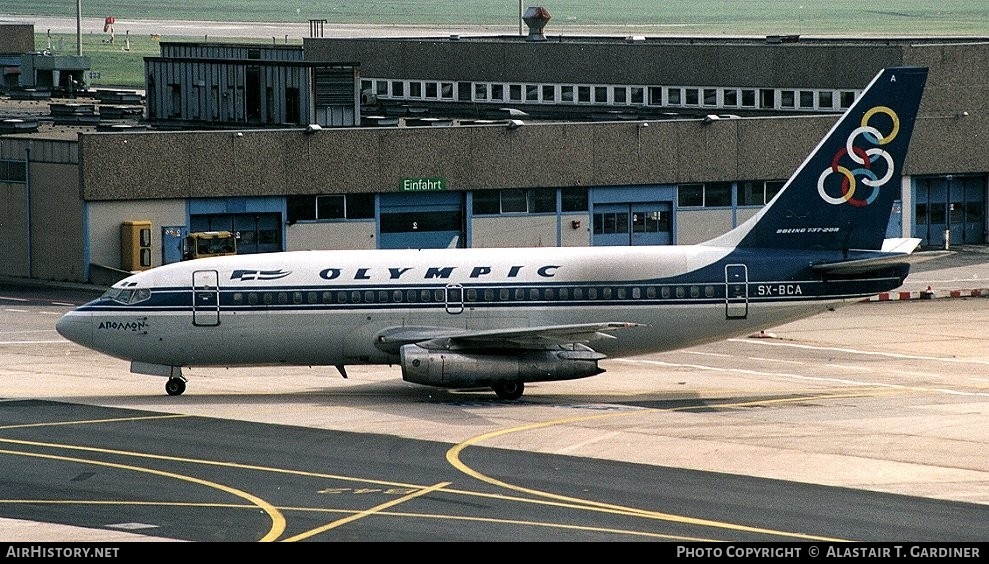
(522, 338)
(865, 265)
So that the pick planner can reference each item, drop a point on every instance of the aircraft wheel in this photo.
(509, 390)
(175, 386)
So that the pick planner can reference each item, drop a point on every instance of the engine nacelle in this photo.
(456, 369)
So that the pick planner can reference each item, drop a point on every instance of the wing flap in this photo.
(517, 337)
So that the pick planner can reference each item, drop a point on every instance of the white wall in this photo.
(104, 226)
(330, 236)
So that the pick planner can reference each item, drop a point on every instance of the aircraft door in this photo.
(736, 291)
(454, 298)
(205, 298)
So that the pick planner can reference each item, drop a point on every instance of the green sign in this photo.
(422, 184)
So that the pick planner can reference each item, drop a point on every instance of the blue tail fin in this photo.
(842, 195)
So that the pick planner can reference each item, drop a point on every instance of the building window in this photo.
(690, 195)
(532, 92)
(330, 207)
(674, 96)
(610, 223)
(584, 94)
(751, 194)
(567, 94)
(806, 100)
(655, 96)
(515, 200)
(549, 93)
(13, 171)
(730, 97)
(846, 99)
(748, 98)
(717, 194)
(620, 94)
(767, 99)
(574, 199)
(758, 192)
(711, 195)
(692, 97)
(787, 99)
(637, 95)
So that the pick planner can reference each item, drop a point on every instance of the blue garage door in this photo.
(952, 207)
(421, 220)
(632, 224)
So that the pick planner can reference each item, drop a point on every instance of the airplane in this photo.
(502, 318)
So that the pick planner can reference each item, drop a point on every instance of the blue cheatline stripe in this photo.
(181, 299)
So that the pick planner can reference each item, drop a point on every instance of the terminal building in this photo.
(480, 141)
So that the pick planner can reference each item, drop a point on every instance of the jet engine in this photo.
(468, 368)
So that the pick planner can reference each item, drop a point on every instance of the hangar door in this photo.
(257, 232)
(632, 224)
(421, 220)
(952, 206)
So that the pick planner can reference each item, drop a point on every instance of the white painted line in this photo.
(63, 341)
(865, 353)
(842, 381)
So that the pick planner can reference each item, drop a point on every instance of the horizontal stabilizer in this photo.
(871, 264)
(900, 244)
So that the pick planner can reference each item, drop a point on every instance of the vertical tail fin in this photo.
(842, 195)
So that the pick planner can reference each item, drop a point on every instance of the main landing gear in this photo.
(175, 386)
(509, 390)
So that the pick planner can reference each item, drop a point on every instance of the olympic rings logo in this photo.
(864, 158)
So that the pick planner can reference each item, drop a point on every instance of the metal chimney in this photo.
(536, 17)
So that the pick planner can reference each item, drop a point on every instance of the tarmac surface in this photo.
(883, 398)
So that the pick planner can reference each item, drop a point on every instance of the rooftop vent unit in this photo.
(536, 17)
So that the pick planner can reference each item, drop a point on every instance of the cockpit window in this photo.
(127, 297)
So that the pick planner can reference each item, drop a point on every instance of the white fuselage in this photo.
(327, 307)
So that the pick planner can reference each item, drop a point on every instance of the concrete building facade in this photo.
(678, 140)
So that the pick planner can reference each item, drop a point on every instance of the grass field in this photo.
(844, 18)
(760, 17)
(116, 66)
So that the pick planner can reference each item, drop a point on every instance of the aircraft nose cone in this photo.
(76, 328)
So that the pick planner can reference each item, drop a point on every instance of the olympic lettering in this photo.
(864, 158)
